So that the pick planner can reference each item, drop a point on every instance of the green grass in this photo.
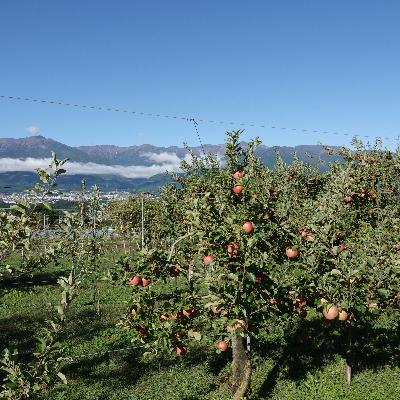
(284, 369)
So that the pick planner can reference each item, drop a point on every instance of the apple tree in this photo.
(355, 231)
(230, 260)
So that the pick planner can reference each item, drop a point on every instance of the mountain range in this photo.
(133, 168)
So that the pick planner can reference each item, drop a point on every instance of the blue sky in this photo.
(330, 66)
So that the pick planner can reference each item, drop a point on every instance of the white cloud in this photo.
(163, 158)
(163, 162)
(33, 130)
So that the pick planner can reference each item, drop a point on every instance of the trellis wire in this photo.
(186, 118)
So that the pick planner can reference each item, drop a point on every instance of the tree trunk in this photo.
(241, 367)
(348, 355)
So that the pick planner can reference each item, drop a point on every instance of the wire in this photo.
(198, 134)
(185, 118)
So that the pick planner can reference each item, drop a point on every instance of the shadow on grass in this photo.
(25, 281)
(124, 369)
(20, 330)
(311, 345)
(86, 324)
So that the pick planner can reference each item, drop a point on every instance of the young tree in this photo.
(229, 268)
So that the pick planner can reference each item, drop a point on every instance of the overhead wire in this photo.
(190, 119)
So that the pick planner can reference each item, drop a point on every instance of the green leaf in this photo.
(61, 171)
(44, 176)
(336, 272)
(54, 162)
(47, 206)
(62, 377)
(18, 208)
(62, 162)
(197, 336)
(383, 292)
(251, 276)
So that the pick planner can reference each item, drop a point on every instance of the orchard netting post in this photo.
(348, 354)
(44, 232)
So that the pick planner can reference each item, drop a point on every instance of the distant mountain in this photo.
(133, 168)
(39, 147)
(12, 182)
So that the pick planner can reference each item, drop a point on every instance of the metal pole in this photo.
(44, 233)
(142, 222)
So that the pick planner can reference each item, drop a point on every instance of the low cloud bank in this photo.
(162, 162)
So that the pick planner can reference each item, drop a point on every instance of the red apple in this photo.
(133, 311)
(307, 235)
(145, 282)
(189, 313)
(292, 253)
(343, 315)
(214, 309)
(208, 259)
(180, 350)
(299, 303)
(331, 313)
(238, 174)
(348, 199)
(136, 280)
(177, 315)
(233, 248)
(323, 300)
(248, 226)
(260, 277)
(237, 189)
(174, 270)
(222, 345)
(141, 330)
(341, 247)
(164, 317)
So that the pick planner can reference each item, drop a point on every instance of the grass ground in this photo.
(285, 368)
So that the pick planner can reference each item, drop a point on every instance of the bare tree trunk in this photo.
(241, 367)
(348, 355)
